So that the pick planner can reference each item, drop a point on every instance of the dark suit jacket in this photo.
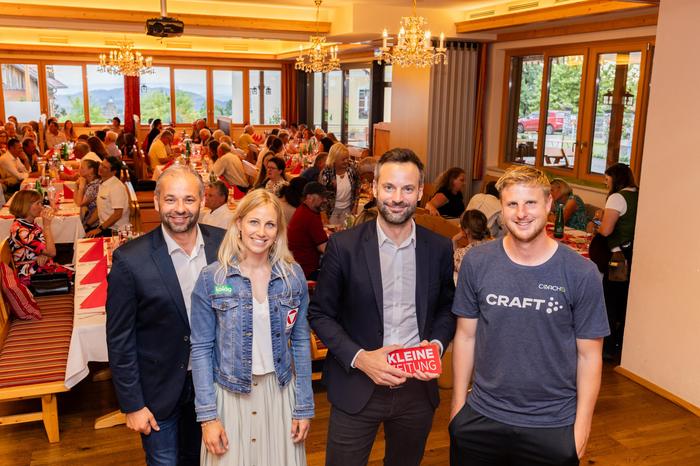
(346, 310)
(148, 333)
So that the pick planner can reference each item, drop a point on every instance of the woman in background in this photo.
(448, 199)
(616, 224)
(69, 131)
(32, 246)
(340, 178)
(250, 344)
(574, 208)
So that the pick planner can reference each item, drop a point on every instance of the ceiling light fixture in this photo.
(414, 47)
(125, 61)
(320, 58)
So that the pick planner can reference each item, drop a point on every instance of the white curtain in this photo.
(451, 116)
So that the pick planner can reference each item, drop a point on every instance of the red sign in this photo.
(421, 358)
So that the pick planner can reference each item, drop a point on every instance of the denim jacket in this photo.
(222, 337)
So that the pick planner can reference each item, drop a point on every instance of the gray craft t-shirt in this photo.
(529, 320)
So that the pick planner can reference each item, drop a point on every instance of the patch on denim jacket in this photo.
(223, 289)
(291, 318)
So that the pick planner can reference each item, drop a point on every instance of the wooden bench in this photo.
(34, 355)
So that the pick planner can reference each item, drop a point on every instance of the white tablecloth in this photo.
(89, 339)
(66, 225)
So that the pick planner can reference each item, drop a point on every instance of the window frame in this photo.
(162, 62)
(583, 152)
(345, 78)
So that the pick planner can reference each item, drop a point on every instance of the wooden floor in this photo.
(632, 426)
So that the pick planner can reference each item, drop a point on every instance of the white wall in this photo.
(662, 334)
(494, 94)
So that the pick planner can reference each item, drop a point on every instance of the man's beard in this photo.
(396, 218)
(191, 223)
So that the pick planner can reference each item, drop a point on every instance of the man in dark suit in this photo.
(148, 331)
(383, 285)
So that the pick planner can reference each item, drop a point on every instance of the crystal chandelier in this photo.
(414, 46)
(125, 61)
(320, 58)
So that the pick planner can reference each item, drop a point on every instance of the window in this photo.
(228, 94)
(190, 95)
(342, 103)
(20, 86)
(359, 107)
(318, 100)
(617, 79)
(387, 92)
(560, 128)
(105, 95)
(272, 102)
(265, 96)
(65, 92)
(155, 95)
(334, 102)
(524, 111)
(571, 126)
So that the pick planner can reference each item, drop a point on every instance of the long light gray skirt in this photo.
(258, 426)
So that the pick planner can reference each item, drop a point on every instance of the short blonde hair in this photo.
(528, 176)
(232, 252)
(563, 185)
(22, 201)
(338, 149)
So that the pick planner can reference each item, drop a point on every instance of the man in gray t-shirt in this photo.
(531, 318)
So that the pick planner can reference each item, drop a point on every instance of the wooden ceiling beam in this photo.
(574, 10)
(596, 26)
(229, 23)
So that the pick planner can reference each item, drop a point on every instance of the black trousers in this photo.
(477, 440)
(407, 416)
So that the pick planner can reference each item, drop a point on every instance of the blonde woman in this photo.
(340, 178)
(251, 362)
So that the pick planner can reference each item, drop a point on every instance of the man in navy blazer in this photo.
(148, 331)
(383, 285)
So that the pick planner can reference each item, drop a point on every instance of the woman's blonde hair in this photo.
(563, 185)
(22, 201)
(338, 149)
(232, 251)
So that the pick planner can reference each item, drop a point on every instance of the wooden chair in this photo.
(134, 207)
(428, 192)
(34, 355)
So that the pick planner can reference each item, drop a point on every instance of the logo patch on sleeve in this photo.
(292, 317)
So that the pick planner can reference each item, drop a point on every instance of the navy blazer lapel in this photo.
(211, 248)
(422, 278)
(374, 268)
(164, 263)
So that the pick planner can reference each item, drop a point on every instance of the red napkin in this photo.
(67, 192)
(95, 253)
(98, 298)
(97, 274)
(167, 165)
(67, 171)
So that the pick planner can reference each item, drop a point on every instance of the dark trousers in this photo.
(477, 440)
(180, 436)
(407, 416)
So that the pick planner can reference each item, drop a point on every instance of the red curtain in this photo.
(478, 168)
(290, 103)
(132, 102)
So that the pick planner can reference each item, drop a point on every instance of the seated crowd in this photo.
(245, 232)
